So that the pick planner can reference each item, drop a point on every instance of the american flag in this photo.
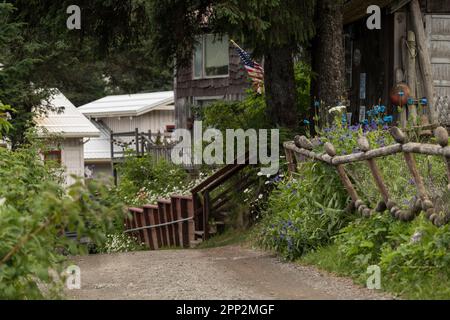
(255, 70)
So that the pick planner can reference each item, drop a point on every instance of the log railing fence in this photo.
(302, 148)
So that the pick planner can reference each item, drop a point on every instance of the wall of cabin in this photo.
(190, 91)
(72, 158)
(154, 121)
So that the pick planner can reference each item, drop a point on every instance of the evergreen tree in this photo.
(274, 29)
(19, 60)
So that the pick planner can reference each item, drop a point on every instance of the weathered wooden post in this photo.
(423, 55)
(412, 53)
(136, 133)
(357, 202)
(441, 135)
(363, 144)
(292, 161)
(425, 202)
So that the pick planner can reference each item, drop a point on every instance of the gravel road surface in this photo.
(231, 272)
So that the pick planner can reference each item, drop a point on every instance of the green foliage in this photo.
(5, 125)
(361, 241)
(419, 268)
(261, 24)
(303, 83)
(413, 257)
(35, 211)
(19, 60)
(304, 213)
(251, 113)
(247, 114)
(102, 57)
(38, 52)
(143, 180)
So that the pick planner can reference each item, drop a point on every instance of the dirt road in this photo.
(229, 272)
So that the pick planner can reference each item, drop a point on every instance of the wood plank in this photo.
(170, 227)
(163, 229)
(151, 233)
(440, 60)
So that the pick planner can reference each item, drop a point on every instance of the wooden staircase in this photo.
(186, 221)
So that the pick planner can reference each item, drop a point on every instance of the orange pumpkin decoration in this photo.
(400, 94)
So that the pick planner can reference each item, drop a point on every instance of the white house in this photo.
(153, 112)
(65, 121)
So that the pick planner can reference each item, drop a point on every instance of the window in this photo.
(170, 128)
(54, 156)
(211, 57)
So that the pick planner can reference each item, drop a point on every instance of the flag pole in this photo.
(235, 44)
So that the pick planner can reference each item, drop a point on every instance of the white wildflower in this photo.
(337, 109)
(416, 237)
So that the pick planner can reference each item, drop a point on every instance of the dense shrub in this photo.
(305, 212)
(251, 113)
(142, 180)
(35, 211)
(414, 257)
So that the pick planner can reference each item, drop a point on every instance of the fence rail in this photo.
(167, 224)
(302, 148)
(159, 145)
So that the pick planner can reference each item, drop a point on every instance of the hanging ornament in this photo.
(400, 94)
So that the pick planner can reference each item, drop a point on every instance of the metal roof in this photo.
(66, 120)
(129, 105)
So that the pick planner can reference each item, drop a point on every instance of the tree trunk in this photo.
(281, 93)
(328, 62)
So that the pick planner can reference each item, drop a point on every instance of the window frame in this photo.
(58, 154)
(203, 70)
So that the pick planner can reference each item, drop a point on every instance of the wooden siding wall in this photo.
(72, 158)
(438, 31)
(154, 121)
(227, 88)
(437, 6)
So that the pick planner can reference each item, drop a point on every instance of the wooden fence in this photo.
(302, 148)
(169, 223)
(186, 220)
(159, 145)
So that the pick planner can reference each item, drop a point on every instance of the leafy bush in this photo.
(35, 211)
(418, 267)
(305, 212)
(251, 113)
(5, 126)
(414, 257)
(142, 180)
(247, 114)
